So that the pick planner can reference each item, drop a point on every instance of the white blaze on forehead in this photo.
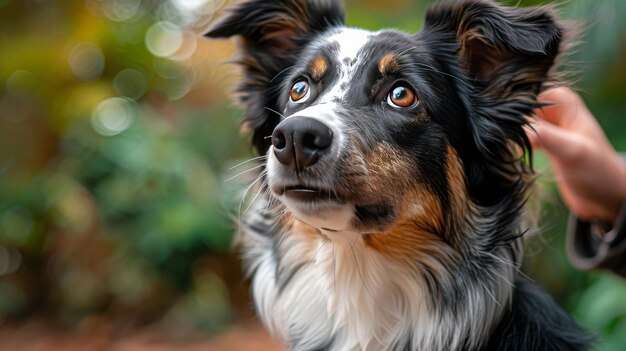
(350, 42)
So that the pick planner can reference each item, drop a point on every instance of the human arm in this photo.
(591, 178)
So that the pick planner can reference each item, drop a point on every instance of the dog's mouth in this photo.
(318, 204)
(307, 193)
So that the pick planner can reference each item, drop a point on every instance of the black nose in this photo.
(300, 141)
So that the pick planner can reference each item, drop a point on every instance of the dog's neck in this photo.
(332, 290)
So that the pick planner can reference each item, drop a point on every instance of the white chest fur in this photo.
(334, 292)
(342, 292)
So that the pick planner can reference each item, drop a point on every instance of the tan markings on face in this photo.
(388, 64)
(387, 175)
(410, 245)
(459, 204)
(417, 236)
(318, 67)
(417, 229)
(456, 182)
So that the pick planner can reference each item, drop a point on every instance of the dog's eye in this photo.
(401, 96)
(300, 92)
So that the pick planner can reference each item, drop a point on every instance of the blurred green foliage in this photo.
(115, 142)
(117, 137)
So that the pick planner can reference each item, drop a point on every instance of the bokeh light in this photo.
(113, 116)
(122, 10)
(87, 61)
(188, 46)
(164, 39)
(130, 83)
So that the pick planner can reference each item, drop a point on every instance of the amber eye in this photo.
(401, 97)
(299, 92)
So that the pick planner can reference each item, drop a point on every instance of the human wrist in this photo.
(610, 196)
(597, 244)
(610, 191)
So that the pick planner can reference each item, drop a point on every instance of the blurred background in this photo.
(121, 174)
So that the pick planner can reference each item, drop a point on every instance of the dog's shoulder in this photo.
(535, 322)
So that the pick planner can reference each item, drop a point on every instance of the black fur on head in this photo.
(505, 56)
(273, 34)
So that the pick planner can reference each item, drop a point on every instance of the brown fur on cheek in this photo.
(386, 175)
(459, 202)
(424, 231)
(416, 234)
(409, 244)
(456, 182)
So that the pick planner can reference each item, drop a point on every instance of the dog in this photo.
(395, 177)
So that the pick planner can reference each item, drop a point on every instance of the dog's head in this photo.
(367, 130)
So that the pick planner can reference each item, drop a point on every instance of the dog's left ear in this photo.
(506, 55)
(272, 32)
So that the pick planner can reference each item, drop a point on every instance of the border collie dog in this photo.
(396, 171)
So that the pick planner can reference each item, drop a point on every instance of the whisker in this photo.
(510, 263)
(276, 112)
(245, 194)
(358, 269)
(312, 260)
(269, 202)
(263, 185)
(489, 293)
(273, 204)
(494, 272)
(286, 229)
(244, 172)
(281, 72)
(247, 161)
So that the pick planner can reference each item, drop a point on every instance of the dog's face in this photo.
(366, 130)
(357, 147)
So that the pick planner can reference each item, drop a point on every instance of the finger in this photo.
(559, 143)
(532, 135)
(562, 104)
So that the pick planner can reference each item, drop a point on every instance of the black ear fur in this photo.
(500, 43)
(506, 56)
(272, 33)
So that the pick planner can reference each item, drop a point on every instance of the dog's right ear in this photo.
(277, 27)
(272, 33)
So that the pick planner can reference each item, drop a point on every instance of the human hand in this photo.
(590, 175)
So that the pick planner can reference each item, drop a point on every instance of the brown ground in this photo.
(36, 336)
